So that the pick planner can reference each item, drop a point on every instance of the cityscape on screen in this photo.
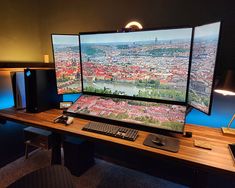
(118, 73)
(132, 111)
(67, 63)
(204, 52)
(147, 64)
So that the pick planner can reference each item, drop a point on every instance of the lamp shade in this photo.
(227, 86)
(134, 25)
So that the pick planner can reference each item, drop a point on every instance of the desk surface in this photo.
(219, 158)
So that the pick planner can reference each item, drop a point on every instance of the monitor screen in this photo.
(148, 64)
(157, 115)
(67, 63)
(204, 52)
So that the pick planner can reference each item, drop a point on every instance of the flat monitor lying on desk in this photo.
(131, 113)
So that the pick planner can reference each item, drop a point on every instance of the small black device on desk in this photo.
(232, 150)
(65, 104)
(111, 130)
(67, 120)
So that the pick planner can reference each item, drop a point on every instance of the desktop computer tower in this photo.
(40, 89)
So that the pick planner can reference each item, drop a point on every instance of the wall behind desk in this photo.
(20, 32)
(26, 25)
(59, 16)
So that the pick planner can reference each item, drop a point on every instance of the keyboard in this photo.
(111, 130)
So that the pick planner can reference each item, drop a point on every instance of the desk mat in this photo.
(166, 142)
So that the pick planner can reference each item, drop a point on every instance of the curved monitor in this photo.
(151, 114)
(67, 63)
(204, 52)
(151, 64)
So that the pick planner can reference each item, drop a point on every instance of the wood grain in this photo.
(217, 159)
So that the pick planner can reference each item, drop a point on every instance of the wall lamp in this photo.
(134, 25)
(227, 87)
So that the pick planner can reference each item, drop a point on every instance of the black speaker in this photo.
(40, 90)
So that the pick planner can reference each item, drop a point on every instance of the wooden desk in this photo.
(218, 159)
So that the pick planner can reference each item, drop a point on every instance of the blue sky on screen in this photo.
(170, 34)
(208, 30)
(65, 40)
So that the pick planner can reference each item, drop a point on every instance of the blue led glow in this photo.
(223, 108)
(6, 100)
(28, 73)
(71, 97)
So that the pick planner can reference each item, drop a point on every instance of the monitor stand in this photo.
(162, 142)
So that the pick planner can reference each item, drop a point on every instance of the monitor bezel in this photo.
(126, 124)
(134, 97)
(53, 56)
(214, 71)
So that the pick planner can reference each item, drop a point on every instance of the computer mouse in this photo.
(159, 142)
(69, 120)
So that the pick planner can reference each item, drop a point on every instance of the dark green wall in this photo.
(26, 25)
(19, 31)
